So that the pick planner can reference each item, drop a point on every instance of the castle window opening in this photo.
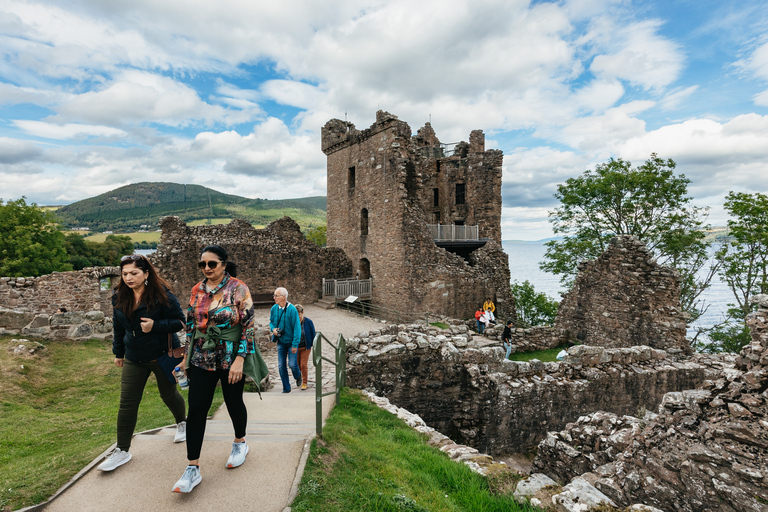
(460, 193)
(436, 197)
(365, 268)
(364, 222)
(351, 177)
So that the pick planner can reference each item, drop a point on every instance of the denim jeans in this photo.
(507, 346)
(283, 351)
(480, 327)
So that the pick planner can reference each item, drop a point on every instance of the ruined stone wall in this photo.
(705, 450)
(81, 290)
(529, 339)
(476, 397)
(278, 255)
(378, 220)
(624, 298)
(27, 305)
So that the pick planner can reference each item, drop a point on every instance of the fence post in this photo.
(318, 357)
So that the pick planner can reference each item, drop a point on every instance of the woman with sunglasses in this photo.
(220, 333)
(145, 311)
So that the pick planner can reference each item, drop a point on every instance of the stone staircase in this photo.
(326, 303)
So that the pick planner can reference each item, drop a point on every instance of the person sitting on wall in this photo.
(478, 317)
(506, 337)
(490, 308)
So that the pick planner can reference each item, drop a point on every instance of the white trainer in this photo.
(188, 480)
(116, 459)
(181, 432)
(237, 457)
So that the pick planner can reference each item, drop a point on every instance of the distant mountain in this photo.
(141, 205)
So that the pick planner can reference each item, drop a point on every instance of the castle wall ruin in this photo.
(476, 397)
(624, 298)
(278, 255)
(704, 450)
(381, 198)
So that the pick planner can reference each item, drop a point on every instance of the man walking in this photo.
(285, 327)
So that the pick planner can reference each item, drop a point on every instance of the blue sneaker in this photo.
(188, 480)
(237, 457)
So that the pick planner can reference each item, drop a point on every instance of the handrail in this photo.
(340, 364)
(382, 312)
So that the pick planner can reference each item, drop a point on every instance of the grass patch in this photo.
(441, 325)
(545, 356)
(58, 411)
(149, 236)
(368, 459)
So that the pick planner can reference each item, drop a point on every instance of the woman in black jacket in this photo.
(145, 311)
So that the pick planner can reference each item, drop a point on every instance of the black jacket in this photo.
(137, 346)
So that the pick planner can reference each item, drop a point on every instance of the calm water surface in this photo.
(524, 259)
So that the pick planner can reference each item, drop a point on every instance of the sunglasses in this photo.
(211, 264)
(132, 257)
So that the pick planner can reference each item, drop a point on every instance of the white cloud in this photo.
(66, 131)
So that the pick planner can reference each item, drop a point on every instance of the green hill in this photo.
(142, 204)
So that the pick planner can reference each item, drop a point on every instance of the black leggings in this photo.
(202, 385)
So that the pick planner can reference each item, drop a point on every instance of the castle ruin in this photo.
(389, 195)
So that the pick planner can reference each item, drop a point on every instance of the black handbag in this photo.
(171, 359)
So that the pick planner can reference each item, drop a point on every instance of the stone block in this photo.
(15, 319)
(94, 316)
(80, 331)
(40, 321)
(68, 318)
(529, 487)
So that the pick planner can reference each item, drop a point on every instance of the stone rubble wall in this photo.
(706, 449)
(278, 255)
(28, 304)
(624, 298)
(476, 397)
(530, 339)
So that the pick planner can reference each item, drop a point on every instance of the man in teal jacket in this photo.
(285, 327)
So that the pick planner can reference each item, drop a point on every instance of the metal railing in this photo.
(342, 288)
(340, 366)
(382, 312)
(439, 150)
(446, 232)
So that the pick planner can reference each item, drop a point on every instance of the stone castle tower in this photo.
(385, 187)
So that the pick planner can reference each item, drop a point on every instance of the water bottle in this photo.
(181, 377)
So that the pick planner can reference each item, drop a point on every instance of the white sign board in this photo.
(351, 298)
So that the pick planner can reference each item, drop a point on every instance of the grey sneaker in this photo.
(181, 432)
(116, 459)
(188, 480)
(237, 457)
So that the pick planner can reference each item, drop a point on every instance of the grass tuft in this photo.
(58, 411)
(545, 356)
(369, 459)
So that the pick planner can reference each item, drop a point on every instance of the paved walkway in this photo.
(280, 428)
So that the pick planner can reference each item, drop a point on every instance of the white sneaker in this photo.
(237, 457)
(181, 432)
(188, 480)
(116, 459)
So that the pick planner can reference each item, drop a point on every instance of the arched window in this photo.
(365, 269)
(364, 222)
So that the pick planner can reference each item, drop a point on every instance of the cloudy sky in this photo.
(96, 94)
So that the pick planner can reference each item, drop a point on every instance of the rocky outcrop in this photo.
(705, 450)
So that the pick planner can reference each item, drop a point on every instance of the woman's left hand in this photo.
(146, 324)
(236, 370)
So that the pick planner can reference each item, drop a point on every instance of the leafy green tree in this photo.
(744, 260)
(87, 253)
(533, 308)
(649, 202)
(317, 235)
(30, 241)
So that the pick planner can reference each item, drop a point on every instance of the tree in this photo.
(744, 266)
(317, 235)
(649, 202)
(87, 253)
(30, 241)
(533, 308)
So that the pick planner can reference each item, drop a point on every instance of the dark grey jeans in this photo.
(132, 382)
